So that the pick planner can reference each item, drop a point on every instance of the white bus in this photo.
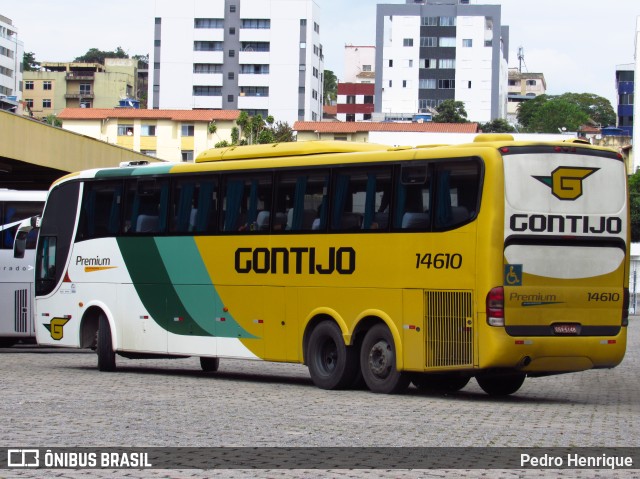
(16, 266)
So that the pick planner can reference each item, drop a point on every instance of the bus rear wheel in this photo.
(440, 382)
(500, 384)
(332, 364)
(106, 354)
(378, 362)
(209, 365)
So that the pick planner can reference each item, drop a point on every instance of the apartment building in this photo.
(428, 51)
(522, 87)
(57, 86)
(625, 86)
(356, 91)
(11, 53)
(171, 135)
(259, 56)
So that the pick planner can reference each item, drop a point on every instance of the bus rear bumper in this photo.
(554, 354)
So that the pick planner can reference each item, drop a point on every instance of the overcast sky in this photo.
(577, 44)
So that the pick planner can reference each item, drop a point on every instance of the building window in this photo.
(531, 83)
(230, 98)
(46, 103)
(429, 21)
(158, 21)
(446, 84)
(407, 42)
(203, 46)
(231, 75)
(428, 41)
(316, 27)
(85, 88)
(351, 99)
(447, 21)
(368, 99)
(29, 102)
(366, 68)
(314, 94)
(232, 53)
(315, 72)
(428, 63)
(255, 46)
(232, 8)
(28, 85)
(390, 83)
(46, 85)
(302, 67)
(186, 130)
(208, 22)
(254, 91)
(447, 63)
(187, 155)
(390, 63)
(207, 90)
(156, 43)
(149, 152)
(254, 69)
(256, 23)
(85, 104)
(303, 22)
(447, 41)
(513, 82)
(148, 130)
(125, 130)
(207, 68)
(467, 43)
(427, 84)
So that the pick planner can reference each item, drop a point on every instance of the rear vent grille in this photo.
(21, 311)
(449, 332)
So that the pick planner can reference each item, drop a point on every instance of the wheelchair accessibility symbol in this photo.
(512, 275)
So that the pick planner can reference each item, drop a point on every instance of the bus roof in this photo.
(276, 150)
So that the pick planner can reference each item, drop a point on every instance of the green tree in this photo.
(634, 205)
(598, 108)
(527, 109)
(282, 132)
(557, 115)
(52, 120)
(256, 130)
(451, 111)
(29, 63)
(499, 125)
(94, 55)
(330, 87)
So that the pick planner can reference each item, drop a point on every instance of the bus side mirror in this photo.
(20, 243)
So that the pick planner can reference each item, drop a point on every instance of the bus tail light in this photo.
(495, 306)
(625, 308)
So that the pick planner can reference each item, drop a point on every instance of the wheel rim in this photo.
(328, 356)
(380, 359)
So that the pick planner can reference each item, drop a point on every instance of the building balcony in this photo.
(80, 76)
(84, 96)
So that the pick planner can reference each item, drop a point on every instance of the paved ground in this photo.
(56, 398)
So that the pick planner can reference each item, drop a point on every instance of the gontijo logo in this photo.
(566, 182)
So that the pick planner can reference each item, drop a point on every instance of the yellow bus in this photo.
(372, 265)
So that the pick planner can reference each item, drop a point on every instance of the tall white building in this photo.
(428, 51)
(11, 52)
(259, 56)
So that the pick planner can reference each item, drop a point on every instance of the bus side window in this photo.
(194, 208)
(361, 199)
(412, 205)
(301, 201)
(101, 210)
(245, 197)
(146, 206)
(456, 198)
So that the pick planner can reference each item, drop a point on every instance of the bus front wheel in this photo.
(378, 362)
(500, 384)
(332, 364)
(106, 354)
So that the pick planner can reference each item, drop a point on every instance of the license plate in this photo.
(566, 328)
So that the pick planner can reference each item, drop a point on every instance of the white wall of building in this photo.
(400, 81)
(356, 59)
(11, 58)
(177, 56)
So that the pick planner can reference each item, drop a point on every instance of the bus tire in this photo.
(500, 384)
(440, 382)
(332, 364)
(378, 362)
(106, 354)
(209, 365)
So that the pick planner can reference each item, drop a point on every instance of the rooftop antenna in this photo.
(520, 58)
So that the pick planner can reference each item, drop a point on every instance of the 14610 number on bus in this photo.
(439, 260)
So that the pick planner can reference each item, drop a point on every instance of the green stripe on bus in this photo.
(171, 281)
(135, 171)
